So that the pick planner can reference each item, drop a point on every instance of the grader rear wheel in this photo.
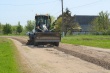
(56, 44)
(36, 43)
(30, 42)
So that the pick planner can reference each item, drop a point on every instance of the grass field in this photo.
(8, 63)
(102, 41)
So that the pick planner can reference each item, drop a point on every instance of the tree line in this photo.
(100, 25)
(69, 25)
(19, 29)
(9, 29)
(16, 29)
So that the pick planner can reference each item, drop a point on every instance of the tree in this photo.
(68, 24)
(14, 29)
(101, 23)
(66, 19)
(52, 19)
(30, 25)
(57, 24)
(7, 29)
(52, 22)
(19, 28)
(1, 28)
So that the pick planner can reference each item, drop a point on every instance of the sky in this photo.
(12, 11)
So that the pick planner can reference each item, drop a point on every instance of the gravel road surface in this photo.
(50, 60)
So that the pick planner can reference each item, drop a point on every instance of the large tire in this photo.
(57, 44)
(35, 43)
(30, 42)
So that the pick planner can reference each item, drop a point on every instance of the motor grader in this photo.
(42, 34)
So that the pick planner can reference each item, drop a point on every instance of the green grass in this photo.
(8, 62)
(102, 41)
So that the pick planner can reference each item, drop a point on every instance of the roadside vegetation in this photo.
(102, 41)
(18, 29)
(99, 28)
(101, 24)
(8, 60)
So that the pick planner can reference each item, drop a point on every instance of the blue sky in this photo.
(12, 11)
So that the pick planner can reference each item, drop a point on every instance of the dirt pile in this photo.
(91, 54)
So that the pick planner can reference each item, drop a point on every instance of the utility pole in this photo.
(62, 27)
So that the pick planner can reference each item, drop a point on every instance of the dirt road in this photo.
(50, 60)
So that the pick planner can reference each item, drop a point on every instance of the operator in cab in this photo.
(41, 27)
